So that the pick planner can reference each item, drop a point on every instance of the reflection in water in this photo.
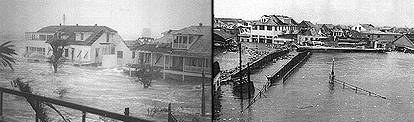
(307, 95)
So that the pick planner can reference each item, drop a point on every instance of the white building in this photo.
(87, 45)
(270, 28)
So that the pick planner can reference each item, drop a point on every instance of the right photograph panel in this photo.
(313, 60)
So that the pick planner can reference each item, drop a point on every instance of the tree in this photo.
(58, 43)
(146, 74)
(6, 54)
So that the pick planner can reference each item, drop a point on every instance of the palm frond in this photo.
(6, 54)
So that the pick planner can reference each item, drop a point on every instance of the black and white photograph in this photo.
(313, 60)
(105, 60)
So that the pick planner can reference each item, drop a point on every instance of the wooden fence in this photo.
(82, 108)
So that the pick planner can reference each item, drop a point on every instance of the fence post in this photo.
(203, 99)
(343, 85)
(83, 116)
(126, 112)
(1, 103)
(170, 119)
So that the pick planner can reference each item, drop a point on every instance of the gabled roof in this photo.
(306, 24)
(407, 38)
(276, 20)
(329, 26)
(131, 44)
(223, 34)
(368, 26)
(97, 31)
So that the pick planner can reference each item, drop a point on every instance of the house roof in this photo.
(306, 24)
(223, 34)
(368, 26)
(97, 31)
(131, 44)
(405, 37)
(276, 20)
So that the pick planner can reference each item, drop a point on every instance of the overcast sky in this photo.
(378, 12)
(128, 17)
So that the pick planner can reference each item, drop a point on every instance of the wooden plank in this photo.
(76, 106)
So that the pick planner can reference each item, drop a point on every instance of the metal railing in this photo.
(84, 109)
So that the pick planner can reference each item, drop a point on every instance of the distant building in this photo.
(363, 27)
(310, 36)
(146, 40)
(273, 29)
(380, 39)
(403, 43)
(187, 55)
(87, 45)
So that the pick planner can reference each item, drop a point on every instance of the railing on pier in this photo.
(260, 62)
(285, 71)
(84, 109)
(333, 80)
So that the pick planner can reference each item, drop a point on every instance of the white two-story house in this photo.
(272, 28)
(87, 45)
(187, 54)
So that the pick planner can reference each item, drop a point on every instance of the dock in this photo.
(322, 49)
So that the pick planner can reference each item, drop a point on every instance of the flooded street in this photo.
(106, 89)
(306, 96)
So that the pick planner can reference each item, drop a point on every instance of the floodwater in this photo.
(306, 95)
(105, 89)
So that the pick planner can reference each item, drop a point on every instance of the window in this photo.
(269, 28)
(42, 37)
(254, 27)
(190, 39)
(133, 54)
(261, 27)
(66, 52)
(395, 36)
(378, 36)
(119, 54)
(81, 36)
(112, 49)
(185, 39)
(107, 37)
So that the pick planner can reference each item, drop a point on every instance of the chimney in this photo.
(60, 24)
(200, 24)
(77, 24)
(96, 24)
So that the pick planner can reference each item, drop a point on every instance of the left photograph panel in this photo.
(105, 60)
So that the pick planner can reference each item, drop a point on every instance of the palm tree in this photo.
(6, 55)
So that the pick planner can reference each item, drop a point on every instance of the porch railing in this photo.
(84, 109)
(197, 69)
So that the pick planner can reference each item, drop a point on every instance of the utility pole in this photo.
(332, 72)
(203, 99)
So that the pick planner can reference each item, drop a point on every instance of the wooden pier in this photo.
(282, 73)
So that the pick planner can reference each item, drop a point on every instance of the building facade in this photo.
(86, 45)
(187, 55)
